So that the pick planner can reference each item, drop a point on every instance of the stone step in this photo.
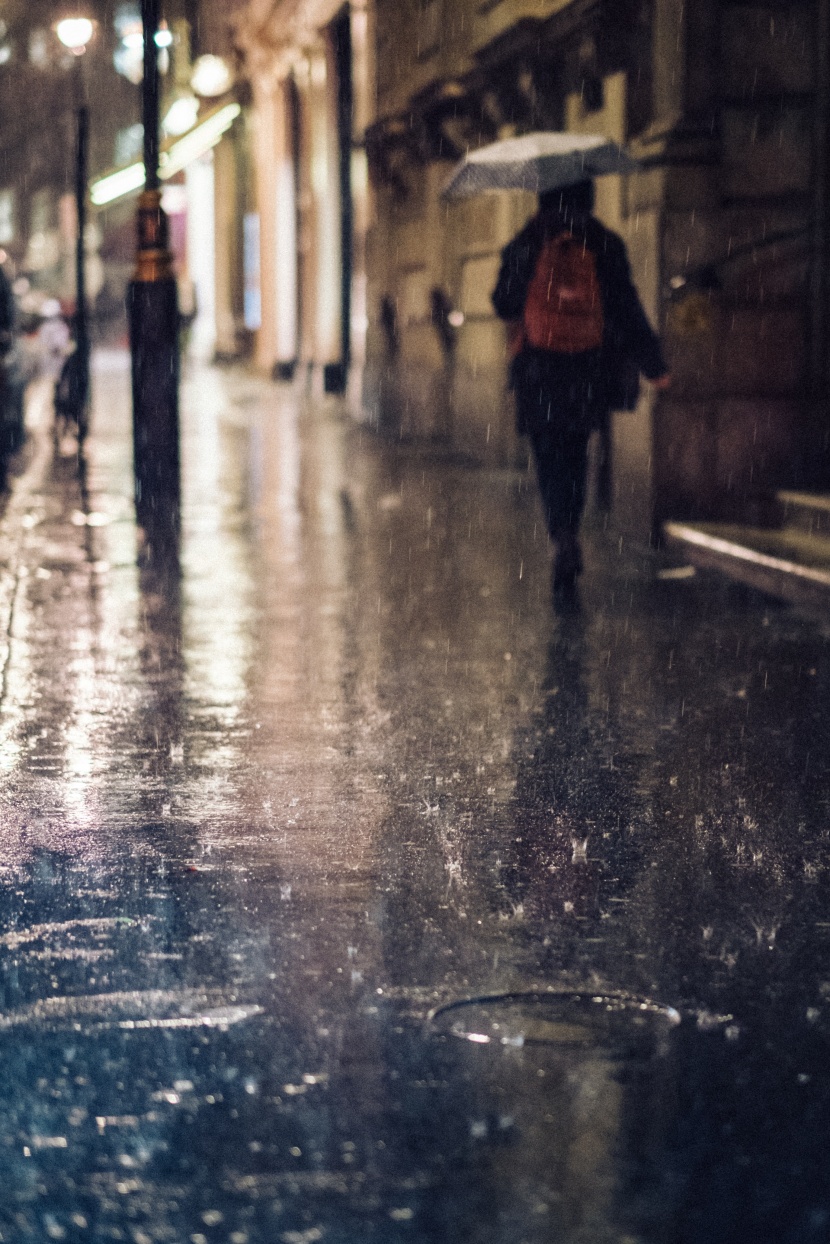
(790, 563)
(807, 510)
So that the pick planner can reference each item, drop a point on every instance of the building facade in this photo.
(41, 86)
(371, 284)
(311, 71)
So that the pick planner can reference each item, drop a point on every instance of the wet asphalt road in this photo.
(348, 892)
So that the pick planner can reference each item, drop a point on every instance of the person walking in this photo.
(579, 339)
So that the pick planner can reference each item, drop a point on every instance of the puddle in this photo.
(42, 932)
(154, 1008)
(623, 1023)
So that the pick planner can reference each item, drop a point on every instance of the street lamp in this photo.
(154, 320)
(75, 33)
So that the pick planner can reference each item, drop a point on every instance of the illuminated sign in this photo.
(183, 152)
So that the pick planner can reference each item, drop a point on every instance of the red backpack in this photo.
(563, 309)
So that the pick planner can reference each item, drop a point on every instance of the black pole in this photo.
(81, 321)
(81, 396)
(150, 93)
(154, 330)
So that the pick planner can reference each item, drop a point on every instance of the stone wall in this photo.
(733, 428)
(493, 70)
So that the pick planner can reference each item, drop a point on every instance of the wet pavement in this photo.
(351, 892)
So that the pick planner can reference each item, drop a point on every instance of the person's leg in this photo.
(561, 457)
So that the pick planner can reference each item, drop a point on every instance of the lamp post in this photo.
(75, 34)
(154, 323)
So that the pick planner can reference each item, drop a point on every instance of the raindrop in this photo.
(580, 851)
(707, 1021)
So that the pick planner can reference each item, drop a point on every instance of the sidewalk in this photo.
(349, 893)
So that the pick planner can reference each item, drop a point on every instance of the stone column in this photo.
(363, 39)
(737, 102)
(266, 108)
(227, 247)
(285, 234)
(326, 207)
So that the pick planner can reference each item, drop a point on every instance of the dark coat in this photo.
(630, 345)
(8, 314)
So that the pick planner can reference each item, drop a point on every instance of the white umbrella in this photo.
(537, 162)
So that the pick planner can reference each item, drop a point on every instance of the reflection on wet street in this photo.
(348, 892)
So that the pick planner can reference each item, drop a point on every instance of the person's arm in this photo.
(8, 314)
(517, 262)
(633, 332)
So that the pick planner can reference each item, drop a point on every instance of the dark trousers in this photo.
(560, 399)
(561, 456)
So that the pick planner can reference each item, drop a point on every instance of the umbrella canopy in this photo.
(537, 162)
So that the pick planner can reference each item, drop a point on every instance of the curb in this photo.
(776, 576)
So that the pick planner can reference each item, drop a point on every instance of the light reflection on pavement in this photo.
(261, 819)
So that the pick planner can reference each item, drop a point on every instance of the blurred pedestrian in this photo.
(579, 339)
(8, 312)
(12, 375)
(53, 338)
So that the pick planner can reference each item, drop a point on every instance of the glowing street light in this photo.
(163, 36)
(181, 116)
(75, 33)
(211, 76)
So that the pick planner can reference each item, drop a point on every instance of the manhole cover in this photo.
(623, 1023)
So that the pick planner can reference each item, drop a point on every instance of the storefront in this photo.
(311, 80)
